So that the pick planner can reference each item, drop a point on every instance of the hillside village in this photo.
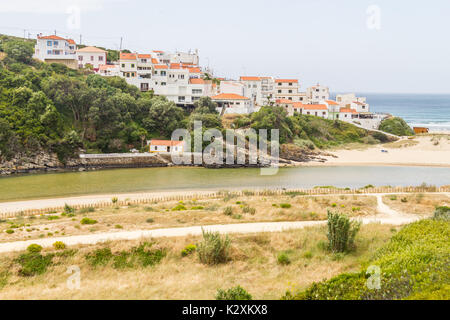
(180, 78)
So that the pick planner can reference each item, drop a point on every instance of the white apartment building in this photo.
(288, 89)
(91, 56)
(109, 70)
(235, 87)
(253, 89)
(317, 94)
(55, 49)
(350, 100)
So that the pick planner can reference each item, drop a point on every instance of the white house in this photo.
(228, 103)
(288, 105)
(318, 110)
(317, 94)
(287, 89)
(91, 55)
(109, 70)
(166, 146)
(55, 49)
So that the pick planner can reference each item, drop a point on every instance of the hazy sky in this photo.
(324, 41)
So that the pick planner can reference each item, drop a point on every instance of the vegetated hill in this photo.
(396, 126)
(414, 265)
(308, 132)
(51, 108)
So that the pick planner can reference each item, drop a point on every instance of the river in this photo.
(51, 185)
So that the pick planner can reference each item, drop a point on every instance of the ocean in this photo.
(418, 110)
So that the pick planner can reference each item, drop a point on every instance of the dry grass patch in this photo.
(244, 209)
(416, 203)
(252, 265)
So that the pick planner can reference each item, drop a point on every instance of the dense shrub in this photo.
(214, 248)
(59, 245)
(88, 221)
(179, 207)
(283, 258)
(442, 213)
(34, 248)
(396, 126)
(228, 211)
(190, 248)
(33, 263)
(341, 232)
(99, 257)
(236, 293)
(68, 209)
(285, 205)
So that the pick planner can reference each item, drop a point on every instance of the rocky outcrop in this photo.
(41, 161)
(292, 152)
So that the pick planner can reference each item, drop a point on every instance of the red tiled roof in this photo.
(175, 66)
(160, 66)
(360, 103)
(297, 105)
(229, 96)
(286, 80)
(334, 103)
(158, 51)
(196, 81)
(286, 101)
(155, 61)
(250, 78)
(52, 37)
(347, 110)
(127, 56)
(107, 66)
(70, 41)
(165, 142)
(91, 49)
(194, 70)
(315, 107)
(144, 56)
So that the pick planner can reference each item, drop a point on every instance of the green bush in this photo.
(341, 232)
(248, 209)
(34, 248)
(285, 205)
(114, 200)
(197, 208)
(99, 257)
(442, 213)
(9, 231)
(404, 199)
(396, 126)
(283, 258)
(59, 245)
(179, 207)
(149, 220)
(68, 209)
(88, 221)
(228, 211)
(214, 248)
(33, 263)
(190, 248)
(236, 293)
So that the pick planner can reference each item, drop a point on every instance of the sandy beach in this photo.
(428, 150)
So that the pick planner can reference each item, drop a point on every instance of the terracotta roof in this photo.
(52, 37)
(70, 41)
(160, 66)
(127, 56)
(196, 81)
(158, 51)
(360, 103)
(229, 96)
(287, 101)
(155, 61)
(297, 105)
(334, 103)
(175, 66)
(91, 49)
(286, 80)
(144, 56)
(194, 70)
(315, 107)
(107, 66)
(347, 110)
(165, 142)
(250, 78)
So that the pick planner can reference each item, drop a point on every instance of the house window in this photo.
(290, 83)
(196, 91)
(181, 99)
(80, 58)
(92, 58)
(49, 51)
(181, 76)
(279, 91)
(238, 103)
(55, 43)
(279, 83)
(290, 91)
(163, 83)
(100, 58)
(132, 65)
(49, 43)
(123, 65)
(163, 73)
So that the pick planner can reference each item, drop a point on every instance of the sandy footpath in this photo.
(385, 215)
(423, 151)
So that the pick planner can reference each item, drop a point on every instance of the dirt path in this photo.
(386, 216)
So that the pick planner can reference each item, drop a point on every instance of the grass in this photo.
(417, 203)
(252, 264)
(414, 264)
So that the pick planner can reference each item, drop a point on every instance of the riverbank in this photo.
(428, 150)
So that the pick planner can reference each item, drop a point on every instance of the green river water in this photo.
(48, 185)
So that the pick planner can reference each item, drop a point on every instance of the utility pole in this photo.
(120, 44)
(55, 32)
(24, 34)
(80, 38)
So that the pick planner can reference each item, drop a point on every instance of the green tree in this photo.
(20, 51)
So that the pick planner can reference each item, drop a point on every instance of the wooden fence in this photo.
(222, 194)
